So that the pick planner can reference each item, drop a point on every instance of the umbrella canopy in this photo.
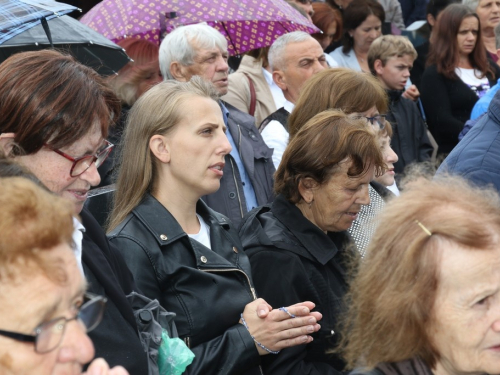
(86, 45)
(246, 24)
(17, 16)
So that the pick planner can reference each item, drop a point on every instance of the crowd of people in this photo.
(322, 209)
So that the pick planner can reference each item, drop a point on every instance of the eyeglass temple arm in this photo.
(18, 336)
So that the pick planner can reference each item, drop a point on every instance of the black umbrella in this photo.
(67, 34)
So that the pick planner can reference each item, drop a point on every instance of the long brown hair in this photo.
(444, 50)
(158, 111)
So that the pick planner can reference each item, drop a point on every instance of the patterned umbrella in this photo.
(17, 16)
(246, 24)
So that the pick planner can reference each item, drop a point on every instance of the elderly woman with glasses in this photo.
(298, 246)
(55, 114)
(44, 317)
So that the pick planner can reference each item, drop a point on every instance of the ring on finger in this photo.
(284, 309)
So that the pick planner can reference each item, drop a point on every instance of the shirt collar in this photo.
(268, 76)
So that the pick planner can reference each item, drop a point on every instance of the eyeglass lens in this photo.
(83, 164)
(50, 334)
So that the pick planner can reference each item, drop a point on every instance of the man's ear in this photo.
(378, 67)
(279, 79)
(307, 186)
(179, 72)
(160, 148)
(6, 143)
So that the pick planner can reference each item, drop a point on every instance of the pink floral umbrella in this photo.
(246, 24)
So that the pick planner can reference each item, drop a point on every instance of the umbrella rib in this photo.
(228, 37)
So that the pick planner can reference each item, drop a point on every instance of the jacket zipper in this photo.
(237, 189)
(254, 295)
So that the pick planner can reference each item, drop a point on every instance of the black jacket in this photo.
(257, 159)
(293, 261)
(207, 289)
(409, 140)
(116, 338)
(448, 104)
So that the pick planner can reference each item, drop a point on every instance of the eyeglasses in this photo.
(49, 335)
(377, 121)
(80, 165)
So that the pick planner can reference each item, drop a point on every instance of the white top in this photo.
(470, 77)
(277, 93)
(394, 188)
(276, 136)
(331, 61)
(348, 60)
(77, 241)
(203, 236)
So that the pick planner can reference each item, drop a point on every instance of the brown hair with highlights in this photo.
(315, 152)
(47, 97)
(339, 88)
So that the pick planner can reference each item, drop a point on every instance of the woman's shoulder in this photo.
(339, 56)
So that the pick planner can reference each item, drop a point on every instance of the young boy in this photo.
(390, 59)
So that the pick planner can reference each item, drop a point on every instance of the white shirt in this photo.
(277, 93)
(276, 136)
(394, 188)
(470, 77)
(203, 236)
(77, 240)
(331, 61)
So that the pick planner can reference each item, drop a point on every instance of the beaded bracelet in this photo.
(253, 338)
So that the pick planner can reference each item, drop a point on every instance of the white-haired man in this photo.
(294, 58)
(247, 182)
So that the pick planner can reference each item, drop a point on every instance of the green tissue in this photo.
(173, 355)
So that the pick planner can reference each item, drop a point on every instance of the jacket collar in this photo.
(323, 247)
(394, 95)
(164, 226)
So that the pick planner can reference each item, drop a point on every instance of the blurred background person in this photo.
(458, 74)
(294, 58)
(329, 21)
(55, 117)
(362, 24)
(431, 285)
(298, 245)
(44, 317)
(434, 7)
(252, 89)
(390, 59)
(488, 12)
(133, 80)
(183, 253)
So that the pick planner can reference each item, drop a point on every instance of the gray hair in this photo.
(276, 54)
(179, 45)
(472, 4)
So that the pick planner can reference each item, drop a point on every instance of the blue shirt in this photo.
(248, 190)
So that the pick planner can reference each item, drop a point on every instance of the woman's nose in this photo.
(76, 345)
(91, 175)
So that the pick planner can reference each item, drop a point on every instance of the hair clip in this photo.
(427, 231)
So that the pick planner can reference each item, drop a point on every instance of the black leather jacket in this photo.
(207, 289)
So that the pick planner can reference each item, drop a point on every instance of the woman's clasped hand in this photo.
(275, 329)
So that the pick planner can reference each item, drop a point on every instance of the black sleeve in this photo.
(281, 279)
